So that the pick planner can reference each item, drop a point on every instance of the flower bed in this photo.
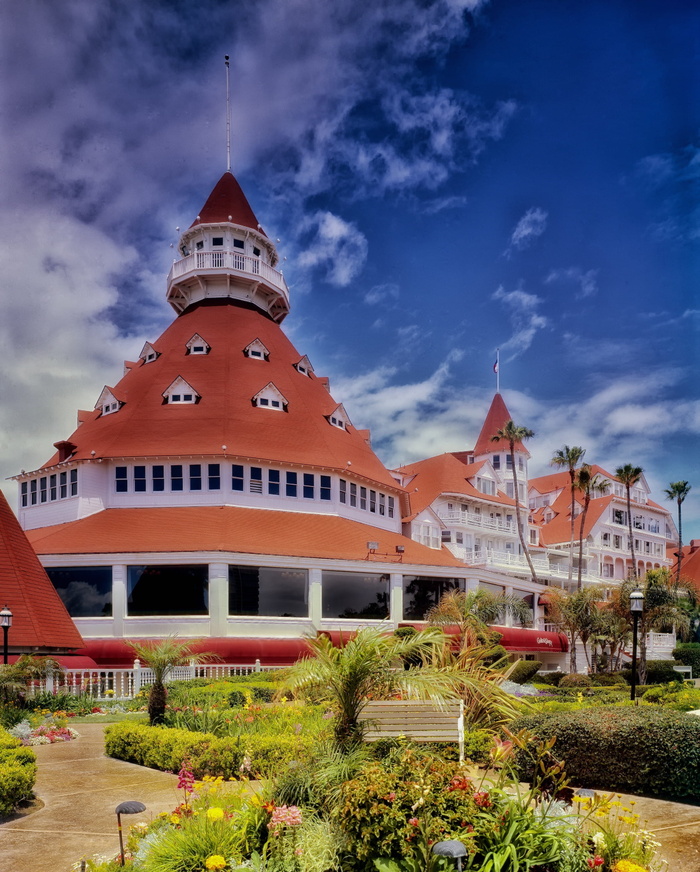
(51, 730)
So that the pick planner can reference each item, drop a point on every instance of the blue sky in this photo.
(447, 177)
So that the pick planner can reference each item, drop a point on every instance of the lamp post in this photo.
(5, 623)
(129, 807)
(636, 607)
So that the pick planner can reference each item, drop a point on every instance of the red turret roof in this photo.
(496, 418)
(40, 621)
(226, 381)
(227, 203)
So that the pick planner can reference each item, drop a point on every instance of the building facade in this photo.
(218, 490)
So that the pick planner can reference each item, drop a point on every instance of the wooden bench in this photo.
(417, 720)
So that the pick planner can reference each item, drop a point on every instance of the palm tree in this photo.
(371, 666)
(664, 600)
(678, 491)
(511, 434)
(162, 656)
(576, 615)
(471, 611)
(16, 677)
(588, 484)
(629, 476)
(570, 457)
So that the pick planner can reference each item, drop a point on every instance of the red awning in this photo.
(528, 641)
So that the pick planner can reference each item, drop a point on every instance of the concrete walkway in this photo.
(80, 789)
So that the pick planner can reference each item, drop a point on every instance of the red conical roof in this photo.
(496, 419)
(40, 621)
(226, 381)
(227, 203)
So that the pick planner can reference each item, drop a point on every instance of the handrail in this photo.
(228, 260)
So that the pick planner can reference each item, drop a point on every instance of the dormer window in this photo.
(180, 392)
(256, 251)
(107, 403)
(270, 398)
(256, 350)
(197, 345)
(304, 366)
(339, 418)
(148, 353)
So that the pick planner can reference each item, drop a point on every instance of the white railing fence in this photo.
(119, 684)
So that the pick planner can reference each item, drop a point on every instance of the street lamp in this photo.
(129, 807)
(636, 607)
(5, 623)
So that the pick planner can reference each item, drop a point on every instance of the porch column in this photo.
(218, 599)
(396, 598)
(119, 599)
(315, 597)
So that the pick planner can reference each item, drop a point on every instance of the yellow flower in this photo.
(628, 866)
(174, 819)
(216, 861)
(215, 813)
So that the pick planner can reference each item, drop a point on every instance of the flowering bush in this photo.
(46, 733)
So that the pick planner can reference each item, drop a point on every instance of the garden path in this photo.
(80, 788)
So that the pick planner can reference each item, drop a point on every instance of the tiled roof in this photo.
(227, 380)
(496, 418)
(40, 620)
(228, 203)
(230, 529)
(558, 530)
(445, 474)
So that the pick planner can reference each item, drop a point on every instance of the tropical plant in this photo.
(472, 610)
(569, 457)
(588, 484)
(576, 615)
(678, 491)
(664, 599)
(162, 656)
(629, 475)
(16, 677)
(513, 435)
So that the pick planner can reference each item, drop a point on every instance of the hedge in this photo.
(17, 772)
(688, 653)
(168, 749)
(524, 671)
(630, 750)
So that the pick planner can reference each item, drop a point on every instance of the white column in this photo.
(315, 597)
(218, 599)
(509, 615)
(119, 599)
(396, 598)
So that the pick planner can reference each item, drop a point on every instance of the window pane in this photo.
(308, 485)
(261, 590)
(236, 477)
(176, 477)
(256, 480)
(121, 481)
(421, 593)
(158, 478)
(86, 591)
(273, 482)
(168, 590)
(325, 489)
(291, 488)
(214, 476)
(195, 476)
(355, 595)
(139, 479)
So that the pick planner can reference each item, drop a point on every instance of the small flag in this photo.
(495, 366)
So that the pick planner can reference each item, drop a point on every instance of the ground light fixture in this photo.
(129, 807)
(5, 623)
(636, 607)
(451, 848)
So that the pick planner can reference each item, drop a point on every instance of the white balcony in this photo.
(509, 561)
(232, 262)
(483, 522)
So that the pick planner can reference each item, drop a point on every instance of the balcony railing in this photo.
(509, 560)
(232, 261)
(471, 519)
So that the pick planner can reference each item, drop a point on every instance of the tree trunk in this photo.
(523, 544)
(629, 524)
(586, 502)
(680, 542)
(572, 652)
(156, 703)
(572, 476)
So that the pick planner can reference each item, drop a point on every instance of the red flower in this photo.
(414, 822)
(594, 862)
(459, 782)
(481, 798)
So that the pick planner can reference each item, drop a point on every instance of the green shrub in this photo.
(676, 696)
(688, 653)
(576, 679)
(550, 678)
(167, 749)
(524, 670)
(17, 773)
(658, 672)
(631, 750)
(607, 679)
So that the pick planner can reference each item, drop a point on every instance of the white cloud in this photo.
(385, 293)
(587, 281)
(531, 226)
(334, 244)
(524, 319)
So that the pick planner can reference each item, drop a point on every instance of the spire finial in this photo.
(228, 117)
